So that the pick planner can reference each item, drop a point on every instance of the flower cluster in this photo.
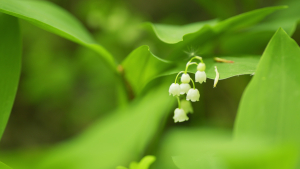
(192, 94)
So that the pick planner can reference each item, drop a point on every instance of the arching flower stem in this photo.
(179, 106)
(197, 57)
(193, 83)
(177, 76)
(189, 64)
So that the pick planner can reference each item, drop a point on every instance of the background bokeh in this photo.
(64, 87)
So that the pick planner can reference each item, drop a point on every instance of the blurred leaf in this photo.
(193, 148)
(4, 166)
(201, 42)
(242, 65)
(246, 19)
(143, 164)
(116, 140)
(10, 65)
(239, 155)
(174, 34)
(254, 39)
(56, 20)
(217, 8)
(146, 162)
(286, 19)
(141, 66)
(269, 106)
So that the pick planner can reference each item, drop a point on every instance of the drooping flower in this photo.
(174, 89)
(180, 116)
(200, 76)
(184, 88)
(185, 78)
(193, 95)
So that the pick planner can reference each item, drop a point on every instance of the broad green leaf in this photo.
(287, 19)
(141, 66)
(10, 65)
(246, 19)
(173, 34)
(204, 39)
(4, 166)
(56, 20)
(242, 65)
(116, 140)
(269, 106)
(254, 39)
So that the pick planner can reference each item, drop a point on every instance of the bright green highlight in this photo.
(143, 164)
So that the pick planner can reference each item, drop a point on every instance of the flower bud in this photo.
(184, 88)
(187, 106)
(193, 95)
(200, 77)
(174, 89)
(185, 78)
(201, 67)
(180, 116)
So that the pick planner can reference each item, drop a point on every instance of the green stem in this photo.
(193, 83)
(197, 57)
(177, 76)
(179, 106)
(188, 64)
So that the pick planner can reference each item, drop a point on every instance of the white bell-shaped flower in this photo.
(180, 115)
(185, 78)
(184, 88)
(200, 77)
(193, 95)
(201, 67)
(174, 89)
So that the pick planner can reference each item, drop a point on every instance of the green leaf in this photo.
(242, 65)
(4, 166)
(56, 20)
(246, 19)
(141, 66)
(146, 162)
(173, 34)
(116, 140)
(204, 40)
(238, 155)
(10, 65)
(193, 148)
(269, 106)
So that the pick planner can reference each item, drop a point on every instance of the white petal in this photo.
(193, 95)
(174, 89)
(184, 88)
(180, 115)
(200, 77)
